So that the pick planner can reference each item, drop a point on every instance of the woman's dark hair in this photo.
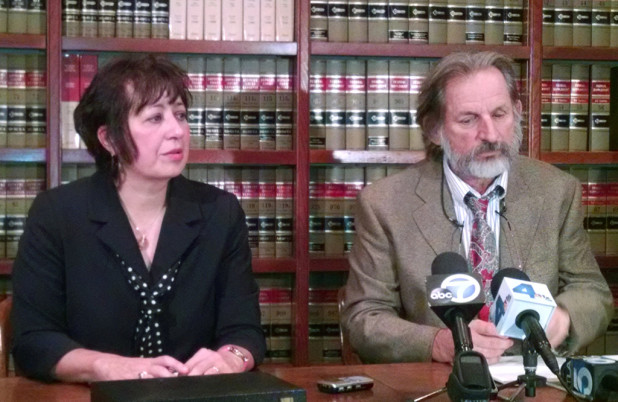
(123, 86)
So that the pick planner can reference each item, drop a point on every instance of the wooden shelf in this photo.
(366, 157)
(407, 50)
(178, 46)
(22, 41)
(608, 262)
(22, 155)
(329, 264)
(598, 158)
(579, 53)
(6, 267)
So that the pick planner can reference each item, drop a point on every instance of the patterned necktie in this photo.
(482, 255)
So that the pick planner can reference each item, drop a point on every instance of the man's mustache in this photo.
(501, 147)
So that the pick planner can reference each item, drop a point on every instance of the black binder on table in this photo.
(247, 387)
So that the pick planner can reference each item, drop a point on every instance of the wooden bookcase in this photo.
(301, 158)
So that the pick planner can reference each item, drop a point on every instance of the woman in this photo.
(135, 272)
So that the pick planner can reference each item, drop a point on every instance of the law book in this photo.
(418, 21)
(398, 21)
(142, 19)
(16, 101)
(284, 211)
(212, 19)
(284, 20)
(3, 22)
(334, 87)
(106, 18)
(17, 16)
(250, 204)
(377, 21)
(377, 104)
(601, 22)
(475, 22)
(213, 99)
(267, 20)
(334, 186)
(198, 172)
(563, 24)
(284, 104)
(267, 195)
(160, 17)
(124, 18)
(582, 22)
(560, 106)
(89, 26)
(549, 18)
(178, 19)
(438, 14)
(600, 107)
(69, 98)
(71, 16)
(3, 179)
(355, 104)
(514, 22)
(613, 42)
(398, 105)
(15, 206)
(231, 103)
(232, 181)
(88, 67)
(281, 320)
(315, 318)
(597, 209)
(250, 103)
(34, 183)
(374, 173)
(456, 22)
(316, 210)
(317, 103)
(611, 245)
(318, 20)
(494, 22)
(196, 68)
(37, 19)
(337, 20)
(418, 71)
(3, 98)
(251, 20)
(354, 181)
(216, 177)
(546, 118)
(265, 297)
(357, 21)
(267, 103)
(578, 116)
(195, 19)
(36, 122)
(231, 20)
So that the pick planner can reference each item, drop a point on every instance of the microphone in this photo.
(592, 376)
(522, 309)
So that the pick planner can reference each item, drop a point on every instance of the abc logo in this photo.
(440, 294)
(464, 288)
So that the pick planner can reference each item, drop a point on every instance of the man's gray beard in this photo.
(467, 166)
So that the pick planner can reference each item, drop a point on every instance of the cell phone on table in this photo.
(337, 385)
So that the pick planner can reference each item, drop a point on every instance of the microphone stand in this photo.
(528, 381)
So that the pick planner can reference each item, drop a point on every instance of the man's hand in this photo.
(558, 327)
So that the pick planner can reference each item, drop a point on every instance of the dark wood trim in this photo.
(587, 158)
(22, 41)
(580, 53)
(366, 157)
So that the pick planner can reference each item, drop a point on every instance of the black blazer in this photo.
(70, 291)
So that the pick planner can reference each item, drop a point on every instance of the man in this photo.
(470, 115)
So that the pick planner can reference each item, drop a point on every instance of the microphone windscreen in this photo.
(506, 273)
(449, 263)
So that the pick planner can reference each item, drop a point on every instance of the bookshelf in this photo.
(301, 158)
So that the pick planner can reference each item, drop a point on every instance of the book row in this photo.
(580, 23)
(229, 20)
(488, 22)
(23, 17)
(237, 102)
(579, 107)
(23, 115)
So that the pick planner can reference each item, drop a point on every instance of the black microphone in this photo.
(527, 319)
(594, 377)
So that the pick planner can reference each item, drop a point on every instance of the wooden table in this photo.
(393, 382)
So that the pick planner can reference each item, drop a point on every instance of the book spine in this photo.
(284, 104)
(418, 21)
(88, 66)
(354, 181)
(232, 181)
(231, 20)
(284, 212)
(267, 20)
(377, 21)
(196, 68)
(281, 321)
(231, 103)
(546, 119)
(601, 23)
(160, 19)
(316, 318)
(3, 25)
(316, 210)
(198, 173)
(578, 116)
(195, 19)
(212, 19)
(178, 19)
(513, 22)
(334, 87)
(334, 187)
(17, 15)
(3, 98)
(438, 14)
(15, 207)
(418, 71)
(377, 105)
(267, 212)
(582, 22)
(331, 344)
(34, 183)
(213, 94)
(613, 23)
(251, 20)
(249, 202)
(89, 19)
(560, 106)
(337, 20)
(456, 22)
(563, 25)
(265, 299)
(284, 20)
(398, 21)
(267, 104)
(475, 22)
(3, 180)
(600, 104)
(106, 18)
(399, 105)
(318, 20)
(124, 18)
(549, 18)
(35, 101)
(611, 246)
(494, 22)
(250, 104)
(68, 100)
(597, 210)
(216, 177)
(317, 104)
(16, 101)
(37, 20)
(71, 17)
(357, 21)
(355, 104)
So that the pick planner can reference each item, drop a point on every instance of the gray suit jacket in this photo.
(401, 227)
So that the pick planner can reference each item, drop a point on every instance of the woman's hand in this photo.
(209, 362)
